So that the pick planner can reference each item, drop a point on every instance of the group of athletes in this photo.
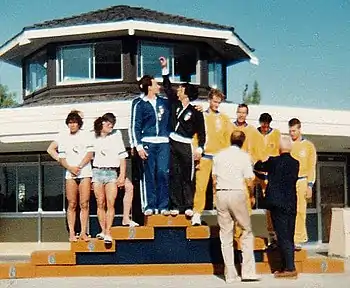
(173, 143)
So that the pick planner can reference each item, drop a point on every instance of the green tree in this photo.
(253, 97)
(7, 98)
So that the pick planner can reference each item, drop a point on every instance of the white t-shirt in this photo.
(231, 167)
(109, 150)
(74, 147)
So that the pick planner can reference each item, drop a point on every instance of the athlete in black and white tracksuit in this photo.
(185, 122)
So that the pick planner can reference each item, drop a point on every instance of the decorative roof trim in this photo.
(131, 26)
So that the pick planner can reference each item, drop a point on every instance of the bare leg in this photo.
(99, 191)
(127, 201)
(111, 195)
(72, 195)
(84, 193)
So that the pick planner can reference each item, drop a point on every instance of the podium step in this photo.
(132, 233)
(167, 221)
(323, 265)
(93, 245)
(53, 258)
(17, 270)
(299, 256)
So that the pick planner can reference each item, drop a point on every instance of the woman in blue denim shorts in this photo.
(109, 158)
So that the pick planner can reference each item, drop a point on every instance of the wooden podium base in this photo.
(167, 245)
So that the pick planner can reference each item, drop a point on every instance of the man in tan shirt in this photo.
(230, 179)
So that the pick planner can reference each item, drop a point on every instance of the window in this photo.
(89, 63)
(53, 187)
(23, 177)
(7, 189)
(27, 188)
(182, 61)
(36, 73)
(215, 75)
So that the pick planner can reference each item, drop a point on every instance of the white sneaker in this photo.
(100, 236)
(156, 211)
(165, 212)
(196, 219)
(108, 239)
(174, 212)
(189, 212)
(251, 278)
(233, 280)
(148, 212)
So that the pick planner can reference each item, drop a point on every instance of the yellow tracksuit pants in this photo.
(300, 235)
(202, 179)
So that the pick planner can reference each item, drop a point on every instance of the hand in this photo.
(75, 170)
(309, 193)
(132, 152)
(143, 154)
(197, 156)
(163, 62)
(252, 201)
(121, 181)
(199, 108)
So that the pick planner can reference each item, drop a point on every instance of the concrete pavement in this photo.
(304, 280)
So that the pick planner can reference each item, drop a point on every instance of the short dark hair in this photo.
(294, 121)
(108, 117)
(191, 91)
(265, 118)
(217, 93)
(237, 138)
(74, 117)
(243, 105)
(144, 83)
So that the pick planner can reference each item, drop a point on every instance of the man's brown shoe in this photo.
(286, 274)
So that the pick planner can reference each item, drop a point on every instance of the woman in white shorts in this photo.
(73, 150)
(109, 158)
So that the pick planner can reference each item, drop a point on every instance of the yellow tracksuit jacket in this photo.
(218, 134)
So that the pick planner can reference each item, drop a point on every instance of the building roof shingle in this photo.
(123, 13)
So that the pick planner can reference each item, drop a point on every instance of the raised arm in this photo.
(167, 86)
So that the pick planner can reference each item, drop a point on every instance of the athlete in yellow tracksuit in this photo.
(267, 145)
(304, 151)
(249, 146)
(218, 134)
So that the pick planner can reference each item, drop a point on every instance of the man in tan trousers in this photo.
(229, 179)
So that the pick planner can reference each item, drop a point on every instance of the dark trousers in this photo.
(156, 176)
(284, 225)
(181, 174)
(137, 177)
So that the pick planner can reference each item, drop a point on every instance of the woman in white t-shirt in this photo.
(109, 158)
(73, 150)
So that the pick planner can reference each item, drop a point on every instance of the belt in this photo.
(106, 168)
(208, 156)
(224, 189)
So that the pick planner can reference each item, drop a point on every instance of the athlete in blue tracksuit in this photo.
(151, 134)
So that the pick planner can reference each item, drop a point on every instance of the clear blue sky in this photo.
(303, 45)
